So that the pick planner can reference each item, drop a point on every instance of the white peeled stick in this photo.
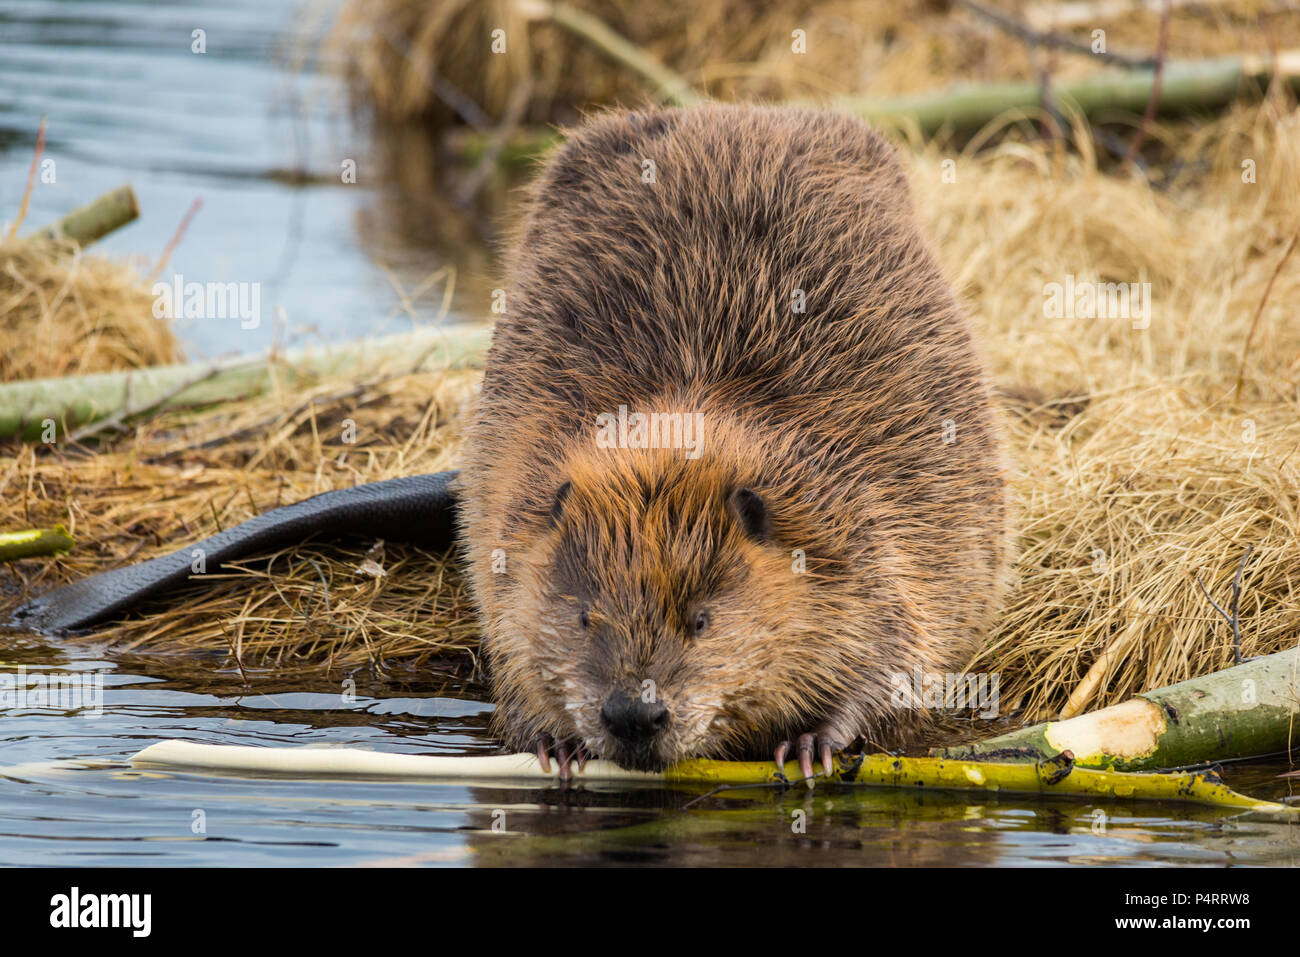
(345, 762)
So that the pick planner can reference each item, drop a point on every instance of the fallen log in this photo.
(1246, 711)
(29, 408)
(95, 220)
(1186, 86)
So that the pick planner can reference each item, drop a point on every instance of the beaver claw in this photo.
(808, 744)
(566, 752)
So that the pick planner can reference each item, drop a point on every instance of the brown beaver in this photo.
(734, 464)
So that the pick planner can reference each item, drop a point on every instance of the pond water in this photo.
(260, 139)
(68, 796)
(257, 129)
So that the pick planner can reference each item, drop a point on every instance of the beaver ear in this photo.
(752, 512)
(557, 506)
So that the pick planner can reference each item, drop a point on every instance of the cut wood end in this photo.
(1126, 731)
(1285, 64)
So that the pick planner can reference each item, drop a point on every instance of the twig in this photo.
(487, 164)
(236, 650)
(1113, 144)
(672, 87)
(782, 783)
(175, 240)
(462, 104)
(1084, 690)
(1058, 41)
(1232, 619)
(1082, 12)
(261, 425)
(1157, 82)
(31, 182)
(118, 421)
(1053, 122)
(1259, 311)
(34, 543)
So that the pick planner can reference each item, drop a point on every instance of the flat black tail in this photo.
(420, 509)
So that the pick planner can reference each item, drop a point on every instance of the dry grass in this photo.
(391, 50)
(186, 476)
(64, 312)
(1140, 466)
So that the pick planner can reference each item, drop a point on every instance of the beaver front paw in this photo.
(565, 753)
(823, 741)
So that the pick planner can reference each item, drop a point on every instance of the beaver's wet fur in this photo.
(844, 518)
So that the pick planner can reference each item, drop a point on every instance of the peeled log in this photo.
(1246, 711)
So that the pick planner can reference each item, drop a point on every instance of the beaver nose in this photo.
(631, 719)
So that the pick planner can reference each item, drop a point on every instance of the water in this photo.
(261, 142)
(256, 128)
(107, 813)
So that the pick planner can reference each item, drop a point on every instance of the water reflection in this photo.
(67, 795)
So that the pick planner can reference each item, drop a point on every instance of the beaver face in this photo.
(653, 604)
(659, 615)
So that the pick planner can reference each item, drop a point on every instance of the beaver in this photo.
(734, 465)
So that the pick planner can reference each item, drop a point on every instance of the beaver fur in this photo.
(843, 519)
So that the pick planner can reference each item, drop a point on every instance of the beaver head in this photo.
(675, 604)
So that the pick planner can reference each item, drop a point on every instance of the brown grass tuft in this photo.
(65, 312)
(1139, 466)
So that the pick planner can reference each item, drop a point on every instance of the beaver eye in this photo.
(701, 622)
(584, 619)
